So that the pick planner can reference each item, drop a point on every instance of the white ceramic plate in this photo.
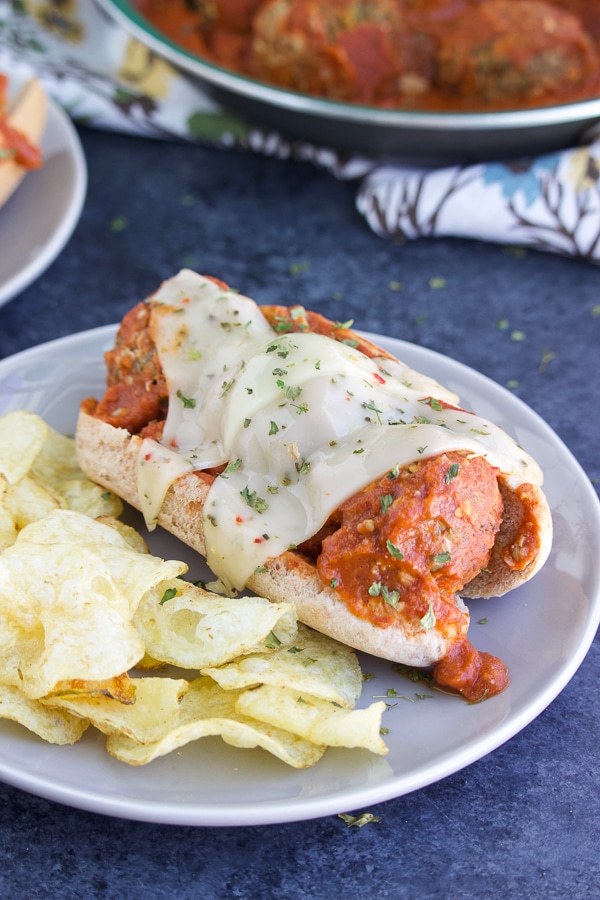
(38, 219)
(542, 631)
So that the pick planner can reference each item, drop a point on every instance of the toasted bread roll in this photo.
(21, 129)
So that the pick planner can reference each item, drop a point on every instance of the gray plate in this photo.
(423, 137)
(542, 631)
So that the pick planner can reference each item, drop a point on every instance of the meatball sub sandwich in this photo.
(309, 465)
(22, 124)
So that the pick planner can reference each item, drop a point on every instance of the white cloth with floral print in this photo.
(106, 79)
(550, 203)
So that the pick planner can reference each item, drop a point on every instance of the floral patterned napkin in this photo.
(106, 79)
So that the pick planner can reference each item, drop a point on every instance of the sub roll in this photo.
(22, 124)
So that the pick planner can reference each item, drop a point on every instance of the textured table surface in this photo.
(521, 822)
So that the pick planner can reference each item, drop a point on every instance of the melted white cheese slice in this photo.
(302, 421)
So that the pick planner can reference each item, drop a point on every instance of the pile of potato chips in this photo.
(83, 603)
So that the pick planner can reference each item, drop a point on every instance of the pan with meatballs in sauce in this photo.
(426, 55)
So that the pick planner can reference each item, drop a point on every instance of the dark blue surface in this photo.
(522, 822)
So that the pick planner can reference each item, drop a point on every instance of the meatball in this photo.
(342, 49)
(235, 15)
(501, 53)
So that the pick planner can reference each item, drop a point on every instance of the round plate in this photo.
(541, 630)
(427, 137)
(38, 219)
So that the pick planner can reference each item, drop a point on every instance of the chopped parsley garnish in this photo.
(433, 403)
(281, 350)
(188, 402)
(118, 223)
(364, 819)
(282, 325)
(374, 409)
(254, 501)
(414, 674)
(452, 472)
(428, 621)
(168, 595)
(391, 597)
(299, 267)
(298, 314)
(272, 642)
(232, 466)
(377, 589)
(386, 501)
(292, 392)
(395, 551)
(440, 559)
(274, 428)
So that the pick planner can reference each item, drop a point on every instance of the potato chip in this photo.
(86, 619)
(27, 501)
(132, 538)
(8, 528)
(135, 572)
(148, 664)
(84, 496)
(208, 710)
(22, 435)
(80, 582)
(315, 720)
(186, 626)
(154, 713)
(57, 469)
(21, 638)
(56, 461)
(53, 725)
(314, 664)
